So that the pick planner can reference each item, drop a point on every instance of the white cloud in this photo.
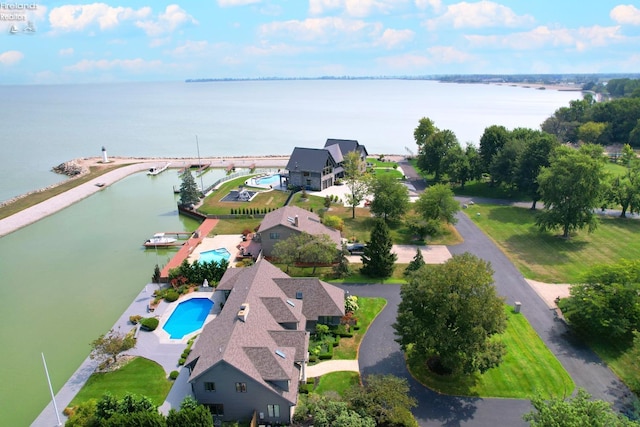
(625, 14)
(191, 48)
(79, 17)
(479, 15)
(320, 30)
(66, 52)
(357, 8)
(137, 65)
(434, 4)
(540, 37)
(391, 38)
(448, 54)
(11, 57)
(173, 17)
(281, 49)
(230, 3)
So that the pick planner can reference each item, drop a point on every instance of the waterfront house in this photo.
(316, 169)
(287, 221)
(249, 360)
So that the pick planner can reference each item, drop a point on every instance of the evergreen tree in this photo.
(189, 194)
(156, 275)
(341, 268)
(416, 263)
(377, 259)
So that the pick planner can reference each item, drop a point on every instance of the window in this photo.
(299, 295)
(305, 174)
(274, 236)
(274, 411)
(241, 387)
(216, 409)
(208, 386)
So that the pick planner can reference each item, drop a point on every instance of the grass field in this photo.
(140, 376)
(368, 310)
(337, 382)
(35, 198)
(528, 368)
(546, 257)
(212, 205)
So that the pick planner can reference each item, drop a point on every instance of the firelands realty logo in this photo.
(16, 14)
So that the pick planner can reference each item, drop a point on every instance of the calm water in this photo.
(67, 278)
(44, 126)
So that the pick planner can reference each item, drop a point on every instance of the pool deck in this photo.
(185, 250)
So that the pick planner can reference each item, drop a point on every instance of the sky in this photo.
(53, 42)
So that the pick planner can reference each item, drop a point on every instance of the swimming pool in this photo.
(216, 255)
(269, 180)
(189, 316)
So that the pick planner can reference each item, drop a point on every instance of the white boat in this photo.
(159, 239)
(158, 170)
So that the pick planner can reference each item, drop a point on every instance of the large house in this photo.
(249, 360)
(319, 168)
(283, 223)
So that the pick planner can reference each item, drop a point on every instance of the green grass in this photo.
(620, 359)
(615, 169)
(235, 226)
(528, 368)
(140, 376)
(38, 197)
(546, 257)
(212, 205)
(368, 310)
(378, 171)
(378, 164)
(337, 382)
(483, 189)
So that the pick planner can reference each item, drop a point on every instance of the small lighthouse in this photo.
(105, 158)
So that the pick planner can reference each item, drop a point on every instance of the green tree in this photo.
(570, 189)
(628, 155)
(451, 313)
(189, 193)
(341, 268)
(578, 411)
(416, 263)
(463, 166)
(305, 248)
(590, 132)
(109, 346)
(390, 198)
(625, 190)
(322, 411)
(425, 129)
(437, 203)
(191, 414)
(608, 303)
(432, 157)
(504, 166)
(535, 155)
(385, 398)
(156, 274)
(492, 141)
(357, 180)
(377, 258)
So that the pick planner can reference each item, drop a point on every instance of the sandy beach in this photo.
(133, 165)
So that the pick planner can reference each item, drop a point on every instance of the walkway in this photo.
(329, 366)
(185, 250)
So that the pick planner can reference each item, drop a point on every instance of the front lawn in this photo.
(212, 204)
(337, 382)
(545, 256)
(140, 376)
(368, 310)
(528, 368)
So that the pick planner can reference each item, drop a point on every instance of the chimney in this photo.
(295, 220)
(243, 312)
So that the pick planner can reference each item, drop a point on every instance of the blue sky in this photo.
(169, 40)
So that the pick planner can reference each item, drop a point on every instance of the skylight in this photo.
(290, 303)
(281, 354)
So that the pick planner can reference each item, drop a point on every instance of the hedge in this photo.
(149, 323)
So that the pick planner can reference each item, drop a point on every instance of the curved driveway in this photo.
(380, 354)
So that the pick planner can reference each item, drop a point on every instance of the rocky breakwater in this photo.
(70, 168)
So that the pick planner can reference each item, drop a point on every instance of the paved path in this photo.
(332, 366)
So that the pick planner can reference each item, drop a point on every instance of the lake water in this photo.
(67, 278)
(43, 126)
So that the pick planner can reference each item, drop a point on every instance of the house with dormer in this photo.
(287, 221)
(318, 168)
(250, 359)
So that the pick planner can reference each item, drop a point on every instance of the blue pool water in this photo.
(216, 255)
(269, 180)
(188, 316)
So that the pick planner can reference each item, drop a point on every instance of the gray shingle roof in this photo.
(250, 346)
(307, 222)
(309, 159)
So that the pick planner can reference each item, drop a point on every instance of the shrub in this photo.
(171, 295)
(333, 222)
(325, 356)
(149, 323)
(186, 352)
(181, 361)
(135, 318)
(173, 375)
(336, 341)
(312, 358)
(303, 389)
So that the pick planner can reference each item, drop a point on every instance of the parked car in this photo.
(356, 248)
